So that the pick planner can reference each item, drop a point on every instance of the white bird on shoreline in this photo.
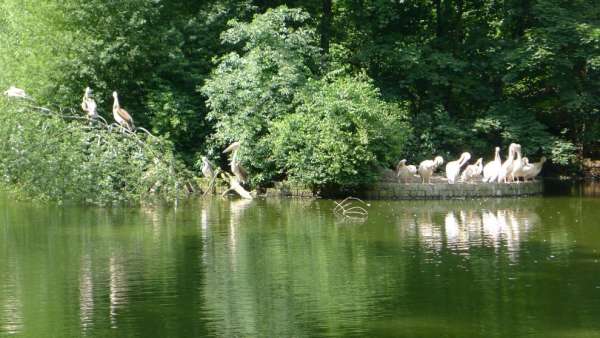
(89, 105)
(517, 168)
(531, 170)
(121, 115)
(492, 168)
(472, 171)
(453, 167)
(236, 167)
(405, 171)
(427, 167)
(506, 168)
(13, 91)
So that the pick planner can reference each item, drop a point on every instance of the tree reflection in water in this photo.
(291, 268)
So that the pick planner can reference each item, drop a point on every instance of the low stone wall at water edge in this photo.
(412, 191)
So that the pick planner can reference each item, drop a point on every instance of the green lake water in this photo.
(527, 267)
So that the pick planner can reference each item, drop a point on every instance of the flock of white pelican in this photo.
(513, 169)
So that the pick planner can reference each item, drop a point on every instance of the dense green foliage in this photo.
(44, 156)
(249, 89)
(467, 75)
(339, 135)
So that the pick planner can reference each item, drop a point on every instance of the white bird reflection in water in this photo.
(86, 294)
(236, 210)
(429, 232)
(118, 288)
(464, 229)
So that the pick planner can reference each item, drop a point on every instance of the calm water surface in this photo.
(278, 268)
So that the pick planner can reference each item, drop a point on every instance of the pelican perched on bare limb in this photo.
(405, 171)
(236, 167)
(121, 115)
(89, 105)
(208, 170)
(453, 167)
(492, 168)
(16, 92)
(427, 167)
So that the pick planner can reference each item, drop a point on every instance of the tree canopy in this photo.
(295, 80)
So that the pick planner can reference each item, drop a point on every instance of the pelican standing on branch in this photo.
(207, 168)
(121, 115)
(453, 168)
(16, 92)
(427, 167)
(89, 105)
(236, 167)
(492, 168)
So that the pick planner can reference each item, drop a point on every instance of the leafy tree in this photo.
(249, 89)
(155, 53)
(340, 135)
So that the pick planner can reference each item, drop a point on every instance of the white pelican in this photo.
(492, 168)
(506, 168)
(427, 167)
(453, 167)
(517, 167)
(207, 168)
(405, 171)
(121, 115)
(472, 171)
(531, 170)
(89, 105)
(236, 167)
(15, 92)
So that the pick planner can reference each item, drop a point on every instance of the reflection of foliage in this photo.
(48, 157)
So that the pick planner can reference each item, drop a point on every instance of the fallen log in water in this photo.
(234, 184)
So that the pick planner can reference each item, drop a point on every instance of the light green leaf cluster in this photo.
(44, 156)
(341, 134)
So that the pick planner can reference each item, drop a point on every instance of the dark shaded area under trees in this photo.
(451, 75)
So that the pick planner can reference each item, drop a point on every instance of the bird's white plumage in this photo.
(453, 167)
(492, 169)
(234, 163)
(506, 168)
(472, 171)
(121, 115)
(427, 167)
(207, 168)
(405, 171)
(517, 167)
(531, 170)
(13, 91)
(89, 105)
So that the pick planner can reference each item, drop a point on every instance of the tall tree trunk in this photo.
(326, 20)
(438, 18)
